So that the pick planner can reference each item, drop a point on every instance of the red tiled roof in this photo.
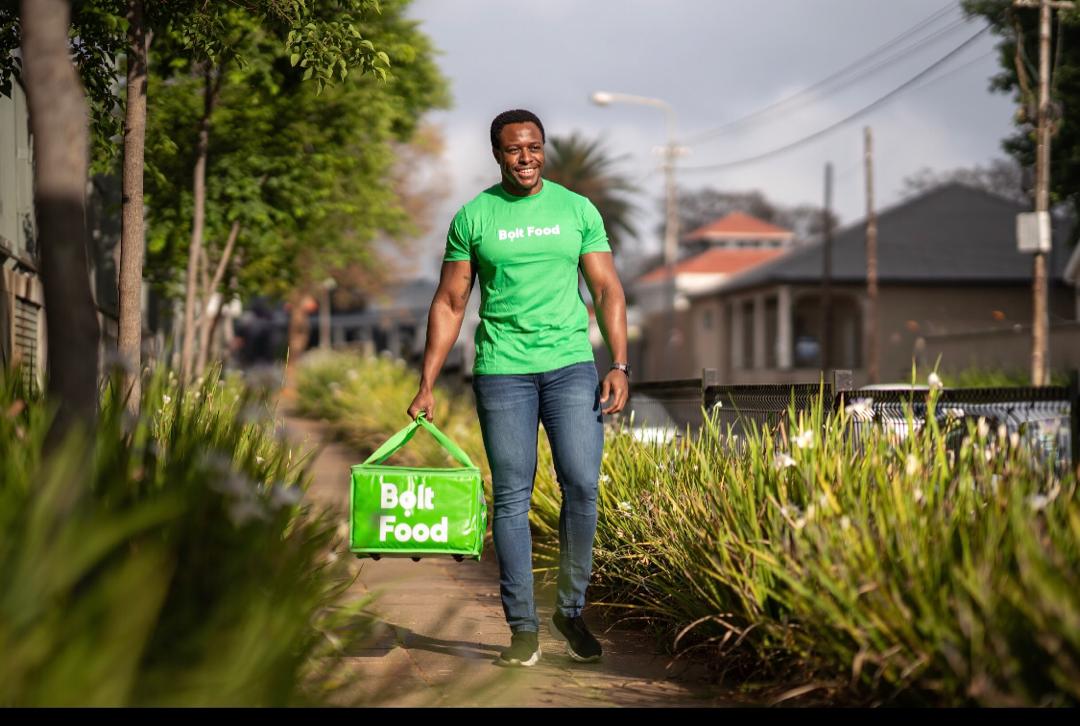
(722, 261)
(739, 226)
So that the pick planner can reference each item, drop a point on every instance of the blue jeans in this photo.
(510, 407)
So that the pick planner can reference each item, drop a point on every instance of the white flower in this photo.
(1038, 502)
(259, 460)
(352, 374)
(604, 478)
(805, 439)
(783, 461)
(983, 428)
(918, 496)
(914, 466)
(625, 507)
(861, 409)
(845, 522)
(790, 511)
(1014, 440)
(166, 398)
(935, 381)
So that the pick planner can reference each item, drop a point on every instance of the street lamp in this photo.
(671, 226)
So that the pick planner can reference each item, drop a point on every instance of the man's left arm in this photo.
(598, 268)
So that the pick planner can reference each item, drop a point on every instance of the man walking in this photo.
(525, 238)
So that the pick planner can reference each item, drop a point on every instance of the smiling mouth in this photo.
(528, 173)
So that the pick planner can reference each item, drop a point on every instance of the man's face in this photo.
(521, 158)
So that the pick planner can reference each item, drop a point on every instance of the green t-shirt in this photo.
(526, 251)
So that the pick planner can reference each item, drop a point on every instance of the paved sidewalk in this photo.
(442, 626)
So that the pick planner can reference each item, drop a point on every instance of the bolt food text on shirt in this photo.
(528, 232)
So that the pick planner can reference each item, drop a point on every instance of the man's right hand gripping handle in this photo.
(424, 401)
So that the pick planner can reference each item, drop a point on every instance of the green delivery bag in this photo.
(400, 511)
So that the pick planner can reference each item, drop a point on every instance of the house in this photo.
(711, 255)
(23, 339)
(948, 265)
(22, 299)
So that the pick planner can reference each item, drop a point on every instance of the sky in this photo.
(715, 61)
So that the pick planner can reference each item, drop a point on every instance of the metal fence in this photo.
(1047, 419)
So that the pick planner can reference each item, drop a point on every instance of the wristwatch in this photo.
(624, 367)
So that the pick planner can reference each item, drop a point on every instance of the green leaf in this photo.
(294, 59)
(307, 73)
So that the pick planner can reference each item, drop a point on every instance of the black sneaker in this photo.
(524, 650)
(580, 643)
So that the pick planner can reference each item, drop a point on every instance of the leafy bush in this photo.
(165, 561)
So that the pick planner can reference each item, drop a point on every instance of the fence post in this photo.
(1074, 417)
(842, 381)
(709, 377)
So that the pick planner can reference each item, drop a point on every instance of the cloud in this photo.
(712, 61)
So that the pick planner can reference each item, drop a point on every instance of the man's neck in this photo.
(519, 192)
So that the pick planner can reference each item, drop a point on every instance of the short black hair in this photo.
(516, 116)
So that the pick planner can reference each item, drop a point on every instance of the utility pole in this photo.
(826, 274)
(1040, 330)
(871, 265)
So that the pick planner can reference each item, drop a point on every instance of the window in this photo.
(772, 320)
(748, 324)
(845, 348)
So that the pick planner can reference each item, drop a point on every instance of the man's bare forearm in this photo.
(444, 325)
(611, 317)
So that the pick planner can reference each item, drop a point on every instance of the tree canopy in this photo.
(1019, 75)
(305, 170)
(584, 166)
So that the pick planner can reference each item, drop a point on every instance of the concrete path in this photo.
(441, 626)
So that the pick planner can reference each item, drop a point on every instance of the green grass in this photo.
(941, 568)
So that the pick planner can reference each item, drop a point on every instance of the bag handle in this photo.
(402, 437)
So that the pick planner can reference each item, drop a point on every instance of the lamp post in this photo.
(671, 225)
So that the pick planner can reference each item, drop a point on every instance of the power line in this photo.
(857, 165)
(858, 65)
(846, 120)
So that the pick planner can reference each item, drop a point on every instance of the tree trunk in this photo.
(209, 322)
(299, 326)
(59, 122)
(299, 334)
(202, 146)
(131, 238)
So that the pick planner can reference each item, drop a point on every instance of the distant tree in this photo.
(1003, 177)
(584, 166)
(700, 207)
(1019, 77)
